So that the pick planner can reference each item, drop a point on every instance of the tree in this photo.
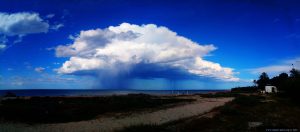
(292, 85)
(294, 73)
(283, 76)
(263, 80)
(288, 85)
(279, 81)
(255, 82)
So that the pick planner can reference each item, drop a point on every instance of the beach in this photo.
(118, 121)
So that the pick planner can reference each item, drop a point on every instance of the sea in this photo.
(97, 92)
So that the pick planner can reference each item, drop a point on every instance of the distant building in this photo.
(270, 89)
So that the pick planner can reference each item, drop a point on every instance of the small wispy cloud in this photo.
(50, 48)
(17, 81)
(3, 41)
(42, 80)
(72, 37)
(14, 26)
(39, 69)
(271, 69)
(22, 23)
(2, 46)
(57, 26)
(282, 66)
(50, 16)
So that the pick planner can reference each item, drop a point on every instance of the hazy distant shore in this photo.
(101, 92)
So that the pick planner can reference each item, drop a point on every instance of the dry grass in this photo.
(237, 115)
(202, 105)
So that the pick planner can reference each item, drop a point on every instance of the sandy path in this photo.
(200, 106)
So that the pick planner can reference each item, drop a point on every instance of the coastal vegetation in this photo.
(249, 111)
(66, 109)
(287, 84)
(244, 113)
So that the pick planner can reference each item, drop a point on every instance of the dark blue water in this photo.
(56, 92)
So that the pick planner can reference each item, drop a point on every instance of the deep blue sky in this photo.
(248, 34)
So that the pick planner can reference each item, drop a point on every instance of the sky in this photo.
(146, 45)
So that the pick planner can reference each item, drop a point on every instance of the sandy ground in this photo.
(110, 123)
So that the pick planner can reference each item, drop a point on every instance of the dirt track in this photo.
(202, 105)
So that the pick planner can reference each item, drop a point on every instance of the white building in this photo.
(270, 89)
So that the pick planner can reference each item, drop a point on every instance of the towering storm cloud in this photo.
(139, 51)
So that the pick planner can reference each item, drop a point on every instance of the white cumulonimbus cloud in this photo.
(121, 49)
(22, 23)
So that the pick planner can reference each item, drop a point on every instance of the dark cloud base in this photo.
(122, 80)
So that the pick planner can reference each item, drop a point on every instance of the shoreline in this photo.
(112, 122)
(99, 92)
